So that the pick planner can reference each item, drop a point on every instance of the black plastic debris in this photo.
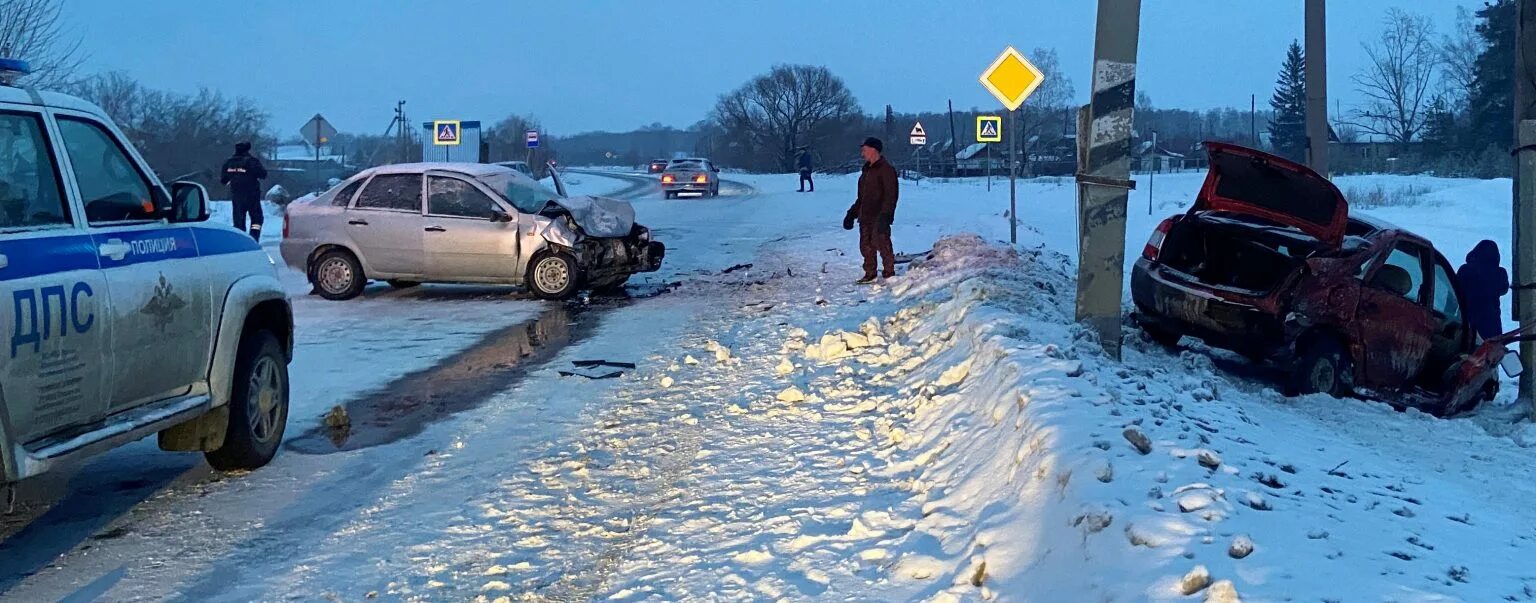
(735, 268)
(597, 369)
(609, 363)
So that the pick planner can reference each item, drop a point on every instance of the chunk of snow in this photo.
(791, 395)
(1195, 581)
(785, 367)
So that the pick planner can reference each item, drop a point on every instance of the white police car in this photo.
(122, 313)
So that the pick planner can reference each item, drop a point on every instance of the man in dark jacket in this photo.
(875, 210)
(804, 162)
(1483, 282)
(243, 173)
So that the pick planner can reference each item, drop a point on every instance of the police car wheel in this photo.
(553, 275)
(258, 410)
(338, 276)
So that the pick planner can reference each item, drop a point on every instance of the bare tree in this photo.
(508, 142)
(1397, 77)
(32, 30)
(768, 118)
(1045, 113)
(1458, 57)
(178, 134)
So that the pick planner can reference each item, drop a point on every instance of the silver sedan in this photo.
(464, 223)
(692, 175)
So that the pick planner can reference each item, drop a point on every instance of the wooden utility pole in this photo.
(1317, 87)
(1524, 256)
(1104, 174)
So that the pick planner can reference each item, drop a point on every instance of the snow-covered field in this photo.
(786, 435)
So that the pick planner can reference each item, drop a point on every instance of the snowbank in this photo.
(1041, 470)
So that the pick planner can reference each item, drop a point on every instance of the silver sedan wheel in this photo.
(335, 275)
(264, 410)
(551, 275)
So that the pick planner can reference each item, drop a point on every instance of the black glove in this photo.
(848, 221)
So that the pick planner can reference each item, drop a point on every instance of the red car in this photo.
(656, 166)
(1269, 263)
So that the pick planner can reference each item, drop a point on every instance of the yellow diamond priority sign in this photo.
(1011, 78)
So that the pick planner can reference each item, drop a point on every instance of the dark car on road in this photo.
(1269, 263)
(656, 166)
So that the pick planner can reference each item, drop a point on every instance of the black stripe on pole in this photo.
(1103, 155)
(1114, 98)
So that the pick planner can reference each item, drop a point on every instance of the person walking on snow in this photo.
(875, 210)
(1483, 282)
(244, 173)
(804, 162)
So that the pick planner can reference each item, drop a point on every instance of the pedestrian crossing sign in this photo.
(445, 132)
(989, 128)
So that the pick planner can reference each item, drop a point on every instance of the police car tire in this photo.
(572, 281)
(354, 289)
(241, 449)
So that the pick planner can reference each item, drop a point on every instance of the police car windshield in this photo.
(525, 194)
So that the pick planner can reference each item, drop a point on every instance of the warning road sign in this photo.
(918, 135)
(446, 132)
(989, 128)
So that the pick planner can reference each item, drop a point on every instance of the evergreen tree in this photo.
(1491, 102)
(1288, 129)
(1440, 128)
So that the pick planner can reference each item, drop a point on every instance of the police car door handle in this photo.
(114, 248)
(436, 229)
(358, 222)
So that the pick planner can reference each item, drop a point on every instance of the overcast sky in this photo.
(582, 65)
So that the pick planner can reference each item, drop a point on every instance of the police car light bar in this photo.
(12, 70)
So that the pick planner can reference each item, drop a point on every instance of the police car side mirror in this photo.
(189, 202)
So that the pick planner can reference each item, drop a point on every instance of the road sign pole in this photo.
(1103, 177)
(1013, 177)
(989, 167)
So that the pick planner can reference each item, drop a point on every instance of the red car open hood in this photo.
(1250, 182)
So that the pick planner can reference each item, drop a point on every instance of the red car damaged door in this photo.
(1475, 373)
(1392, 322)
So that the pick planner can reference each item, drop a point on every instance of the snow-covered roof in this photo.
(971, 151)
(303, 152)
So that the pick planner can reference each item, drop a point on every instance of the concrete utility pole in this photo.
(1525, 192)
(1317, 86)
(1104, 179)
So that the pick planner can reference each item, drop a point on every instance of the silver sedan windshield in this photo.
(527, 195)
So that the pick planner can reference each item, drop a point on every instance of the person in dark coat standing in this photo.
(244, 173)
(875, 210)
(804, 163)
(1483, 282)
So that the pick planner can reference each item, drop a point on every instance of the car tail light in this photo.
(1155, 242)
(285, 228)
(701, 178)
(667, 179)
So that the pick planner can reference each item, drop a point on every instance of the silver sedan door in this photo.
(468, 235)
(386, 224)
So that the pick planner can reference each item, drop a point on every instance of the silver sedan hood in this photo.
(600, 216)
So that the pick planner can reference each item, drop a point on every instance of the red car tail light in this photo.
(667, 179)
(1155, 242)
(701, 178)
(285, 228)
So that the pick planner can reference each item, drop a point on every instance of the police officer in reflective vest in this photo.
(243, 173)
